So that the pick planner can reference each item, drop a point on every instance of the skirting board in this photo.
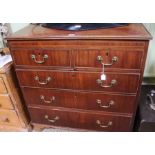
(148, 81)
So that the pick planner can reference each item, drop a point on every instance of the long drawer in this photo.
(127, 83)
(115, 57)
(9, 117)
(82, 120)
(5, 102)
(42, 57)
(79, 100)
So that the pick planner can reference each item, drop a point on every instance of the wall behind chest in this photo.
(16, 26)
(150, 62)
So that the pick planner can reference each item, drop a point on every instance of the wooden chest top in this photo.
(36, 32)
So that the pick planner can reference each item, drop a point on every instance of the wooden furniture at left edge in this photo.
(12, 115)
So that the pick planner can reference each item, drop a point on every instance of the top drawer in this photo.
(42, 57)
(85, 54)
(122, 58)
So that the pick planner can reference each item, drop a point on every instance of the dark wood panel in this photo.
(127, 83)
(42, 57)
(110, 57)
(79, 100)
(50, 79)
(83, 120)
(49, 97)
(105, 102)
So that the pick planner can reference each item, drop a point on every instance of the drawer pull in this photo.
(98, 122)
(41, 61)
(0, 105)
(52, 120)
(42, 82)
(100, 59)
(111, 103)
(112, 83)
(5, 120)
(42, 97)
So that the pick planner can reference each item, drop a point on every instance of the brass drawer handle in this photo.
(112, 83)
(52, 120)
(111, 103)
(110, 123)
(33, 57)
(100, 59)
(48, 79)
(42, 97)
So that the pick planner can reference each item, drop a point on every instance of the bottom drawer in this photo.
(9, 117)
(81, 120)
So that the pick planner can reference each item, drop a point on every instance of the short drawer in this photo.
(105, 102)
(79, 100)
(5, 102)
(9, 117)
(119, 58)
(42, 57)
(46, 97)
(83, 120)
(2, 86)
(46, 79)
(115, 82)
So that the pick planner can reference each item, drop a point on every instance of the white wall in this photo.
(17, 26)
(150, 62)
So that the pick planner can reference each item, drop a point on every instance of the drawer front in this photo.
(5, 102)
(46, 79)
(127, 83)
(105, 102)
(111, 58)
(9, 117)
(2, 86)
(91, 121)
(115, 82)
(35, 96)
(42, 57)
(79, 100)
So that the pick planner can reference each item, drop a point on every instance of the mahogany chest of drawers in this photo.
(59, 73)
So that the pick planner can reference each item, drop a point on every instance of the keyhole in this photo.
(39, 56)
(107, 53)
(73, 74)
